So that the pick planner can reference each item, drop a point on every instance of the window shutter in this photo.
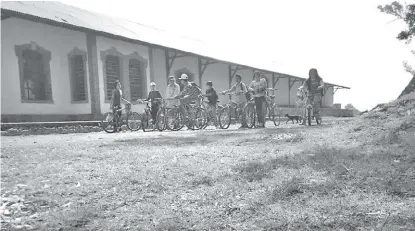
(78, 78)
(136, 83)
(112, 68)
(35, 82)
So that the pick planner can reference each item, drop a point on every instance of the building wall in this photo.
(125, 49)
(159, 69)
(60, 42)
(218, 73)
(189, 62)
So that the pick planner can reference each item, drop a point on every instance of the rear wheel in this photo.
(161, 120)
(275, 115)
(134, 121)
(200, 118)
(108, 122)
(225, 117)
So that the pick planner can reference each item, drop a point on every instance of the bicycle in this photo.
(226, 111)
(310, 110)
(209, 112)
(270, 110)
(148, 124)
(186, 114)
(111, 120)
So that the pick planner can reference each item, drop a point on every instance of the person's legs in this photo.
(242, 115)
(258, 105)
(214, 115)
(154, 109)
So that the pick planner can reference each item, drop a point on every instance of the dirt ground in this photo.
(279, 178)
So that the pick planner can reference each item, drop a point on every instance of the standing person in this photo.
(240, 90)
(115, 102)
(154, 97)
(259, 87)
(212, 97)
(172, 90)
(314, 85)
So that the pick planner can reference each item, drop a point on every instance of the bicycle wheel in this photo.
(199, 118)
(275, 115)
(108, 122)
(309, 115)
(225, 117)
(146, 122)
(174, 119)
(134, 121)
(161, 120)
(250, 115)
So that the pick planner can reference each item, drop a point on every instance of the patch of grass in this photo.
(76, 218)
(204, 180)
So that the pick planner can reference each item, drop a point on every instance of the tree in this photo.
(405, 12)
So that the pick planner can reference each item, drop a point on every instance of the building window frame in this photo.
(46, 58)
(78, 52)
(143, 74)
(111, 52)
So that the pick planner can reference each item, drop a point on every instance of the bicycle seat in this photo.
(272, 96)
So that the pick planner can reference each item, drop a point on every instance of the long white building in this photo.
(58, 63)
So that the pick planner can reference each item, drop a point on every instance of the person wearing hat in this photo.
(172, 90)
(259, 86)
(240, 98)
(191, 91)
(154, 97)
(212, 97)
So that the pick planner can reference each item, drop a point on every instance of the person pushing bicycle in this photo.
(115, 102)
(154, 97)
(314, 86)
(240, 90)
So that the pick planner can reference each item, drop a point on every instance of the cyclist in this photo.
(314, 85)
(259, 86)
(212, 97)
(172, 90)
(240, 90)
(115, 102)
(154, 97)
(191, 92)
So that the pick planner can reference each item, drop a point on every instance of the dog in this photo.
(298, 118)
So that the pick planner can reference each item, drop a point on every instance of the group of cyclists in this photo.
(311, 92)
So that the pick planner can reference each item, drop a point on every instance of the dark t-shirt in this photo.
(152, 95)
(117, 97)
(212, 96)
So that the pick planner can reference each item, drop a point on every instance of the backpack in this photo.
(247, 94)
(215, 96)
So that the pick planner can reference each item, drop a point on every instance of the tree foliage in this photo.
(405, 12)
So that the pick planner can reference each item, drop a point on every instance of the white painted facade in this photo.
(60, 42)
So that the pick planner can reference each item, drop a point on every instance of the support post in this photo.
(230, 75)
(199, 64)
(151, 63)
(166, 52)
(289, 91)
(94, 89)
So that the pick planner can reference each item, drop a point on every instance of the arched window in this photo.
(136, 79)
(113, 73)
(77, 74)
(35, 83)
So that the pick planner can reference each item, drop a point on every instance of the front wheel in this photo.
(174, 119)
(225, 117)
(134, 121)
(146, 122)
(161, 120)
(250, 115)
(199, 119)
(108, 122)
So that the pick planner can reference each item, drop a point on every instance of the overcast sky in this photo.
(350, 42)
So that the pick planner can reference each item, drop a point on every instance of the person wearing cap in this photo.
(191, 91)
(154, 97)
(172, 90)
(259, 86)
(212, 97)
(240, 90)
